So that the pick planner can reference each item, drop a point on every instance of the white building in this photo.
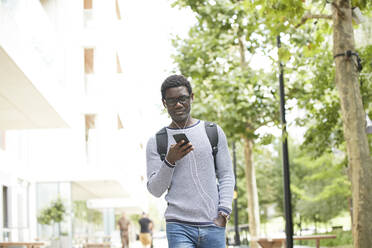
(63, 129)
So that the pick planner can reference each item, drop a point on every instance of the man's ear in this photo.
(163, 101)
(192, 97)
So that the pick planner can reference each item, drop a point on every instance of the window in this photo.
(88, 13)
(5, 207)
(120, 124)
(89, 83)
(118, 66)
(118, 10)
(89, 60)
(22, 205)
(88, 4)
(90, 123)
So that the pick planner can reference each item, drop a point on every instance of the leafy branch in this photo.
(309, 15)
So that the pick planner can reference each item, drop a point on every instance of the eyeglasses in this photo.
(174, 101)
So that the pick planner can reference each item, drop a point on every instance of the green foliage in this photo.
(366, 84)
(325, 190)
(269, 180)
(320, 188)
(52, 214)
(316, 93)
(366, 78)
(227, 91)
(135, 218)
(242, 100)
(83, 213)
(362, 4)
(210, 56)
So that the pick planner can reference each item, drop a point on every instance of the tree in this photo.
(256, 24)
(317, 94)
(53, 214)
(354, 124)
(291, 15)
(320, 186)
(325, 188)
(239, 99)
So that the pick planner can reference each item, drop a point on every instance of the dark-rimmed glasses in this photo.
(173, 101)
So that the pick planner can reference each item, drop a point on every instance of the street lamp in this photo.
(236, 216)
(287, 190)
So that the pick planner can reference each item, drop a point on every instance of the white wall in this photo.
(31, 41)
(55, 50)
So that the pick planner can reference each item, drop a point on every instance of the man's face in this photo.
(178, 103)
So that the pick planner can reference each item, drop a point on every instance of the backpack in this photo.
(210, 128)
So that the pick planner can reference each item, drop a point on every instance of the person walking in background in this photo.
(146, 230)
(198, 209)
(124, 224)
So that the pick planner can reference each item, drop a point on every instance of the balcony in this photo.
(32, 89)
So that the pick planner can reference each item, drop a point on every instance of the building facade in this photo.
(66, 129)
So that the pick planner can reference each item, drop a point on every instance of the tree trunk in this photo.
(354, 124)
(253, 209)
(250, 174)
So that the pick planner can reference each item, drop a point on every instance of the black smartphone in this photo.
(181, 136)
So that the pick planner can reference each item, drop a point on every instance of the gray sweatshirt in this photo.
(193, 196)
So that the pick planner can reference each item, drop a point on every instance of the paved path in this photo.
(245, 246)
(162, 243)
(158, 243)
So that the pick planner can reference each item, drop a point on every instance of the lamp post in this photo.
(236, 216)
(286, 175)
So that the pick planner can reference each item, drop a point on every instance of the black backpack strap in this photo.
(162, 142)
(211, 129)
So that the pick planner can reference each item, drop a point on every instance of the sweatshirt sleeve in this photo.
(159, 173)
(225, 174)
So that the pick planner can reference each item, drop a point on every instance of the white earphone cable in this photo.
(212, 210)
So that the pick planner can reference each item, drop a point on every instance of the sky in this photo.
(149, 27)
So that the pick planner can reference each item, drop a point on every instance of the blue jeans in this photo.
(186, 236)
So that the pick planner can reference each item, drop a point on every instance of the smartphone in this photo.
(181, 136)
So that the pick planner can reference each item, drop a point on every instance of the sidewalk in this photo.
(162, 243)
(245, 246)
(158, 243)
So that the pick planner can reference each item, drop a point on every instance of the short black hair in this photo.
(175, 81)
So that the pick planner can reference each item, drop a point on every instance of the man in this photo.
(124, 224)
(145, 232)
(198, 208)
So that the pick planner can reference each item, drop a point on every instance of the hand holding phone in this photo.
(181, 136)
(178, 151)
